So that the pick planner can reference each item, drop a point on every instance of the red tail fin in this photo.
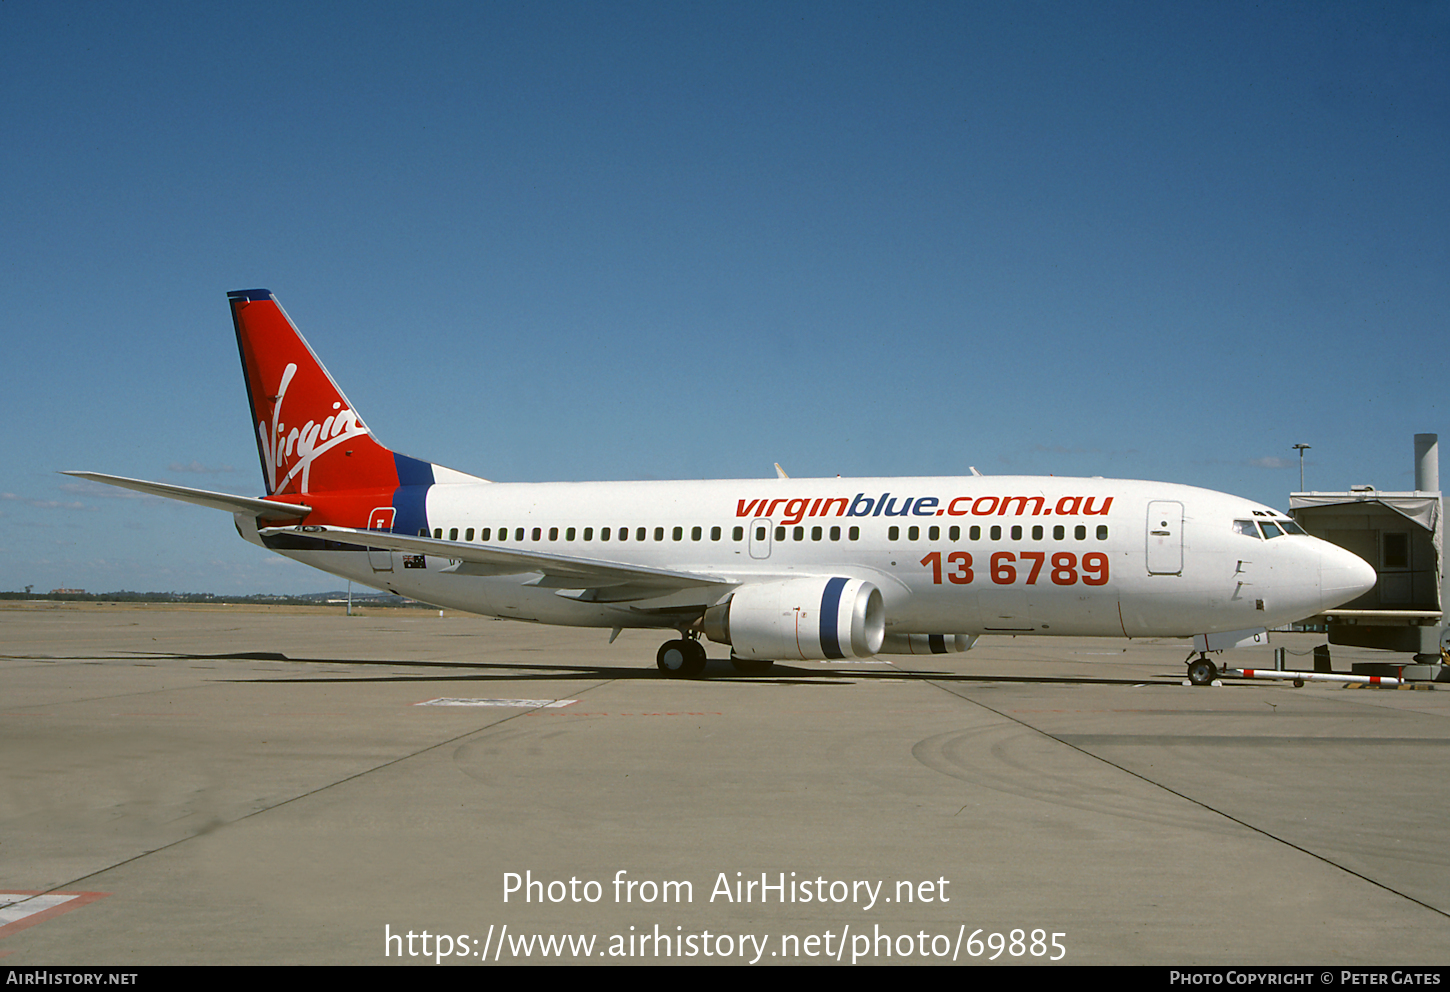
(309, 437)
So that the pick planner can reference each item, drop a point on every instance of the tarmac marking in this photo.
(536, 704)
(26, 908)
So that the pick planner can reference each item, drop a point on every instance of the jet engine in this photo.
(800, 619)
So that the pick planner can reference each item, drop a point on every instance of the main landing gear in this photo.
(681, 658)
(1201, 671)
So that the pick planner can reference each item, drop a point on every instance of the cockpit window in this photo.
(1246, 528)
(1290, 527)
(1271, 529)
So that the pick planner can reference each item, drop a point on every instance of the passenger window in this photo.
(913, 533)
(854, 534)
(738, 534)
(588, 533)
(760, 533)
(1102, 532)
(518, 533)
(1016, 532)
(468, 534)
(678, 533)
(815, 533)
(835, 533)
(893, 533)
(538, 532)
(975, 534)
(1059, 532)
(780, 533)
(453, 533)
(799, 533)
(954, 534)
(484, 534)
(569, 534)
(1080, 532)
(604, 533)
(437, 533)
(694, 533)
(1037, 533)
(933, 533)
(714, 533)
(995, 533)
(639, 534)
(422, 531)
(659, 533)
(624, 533)
(553, 533)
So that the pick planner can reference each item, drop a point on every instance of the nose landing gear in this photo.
(1201, 671)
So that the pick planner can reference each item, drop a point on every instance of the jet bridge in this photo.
(1401, 535)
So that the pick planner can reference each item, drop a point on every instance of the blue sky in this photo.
(674, 240)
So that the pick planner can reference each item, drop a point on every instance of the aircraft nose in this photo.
(1343, 576)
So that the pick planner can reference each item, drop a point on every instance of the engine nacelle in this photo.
(927, 643)
(801, 619)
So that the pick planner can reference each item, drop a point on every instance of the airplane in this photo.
(778, 569)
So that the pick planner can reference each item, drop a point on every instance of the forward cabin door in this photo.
(1165, 537)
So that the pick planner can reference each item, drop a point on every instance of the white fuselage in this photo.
(967, 555)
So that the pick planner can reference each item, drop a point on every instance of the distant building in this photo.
(71, 592)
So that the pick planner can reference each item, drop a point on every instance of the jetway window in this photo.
(1395, 549)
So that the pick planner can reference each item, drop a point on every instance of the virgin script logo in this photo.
(306, 443)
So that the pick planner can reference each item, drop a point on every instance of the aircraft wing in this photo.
(602, 581)
(201, 497)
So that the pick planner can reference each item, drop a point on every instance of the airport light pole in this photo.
(1301, 448)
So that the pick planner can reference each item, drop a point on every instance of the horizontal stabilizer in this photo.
(201, 497)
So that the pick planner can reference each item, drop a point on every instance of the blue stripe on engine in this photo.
(830, 609)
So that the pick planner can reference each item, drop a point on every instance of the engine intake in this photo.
(809, 619)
